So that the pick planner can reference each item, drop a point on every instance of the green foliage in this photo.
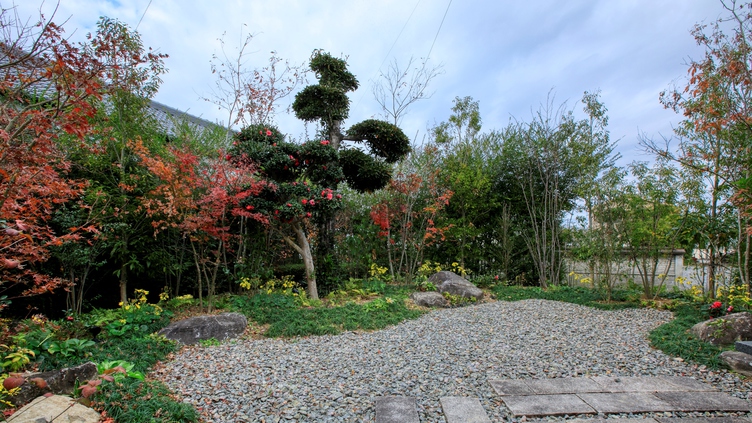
(362, 172)
(332, 72)
(458, 300)
(576, 295)
(384, 139)
(286, 319)
(132, 401)
(119, 369)
(312, 101)
(674, 338)
(71, 347)
(211, 342)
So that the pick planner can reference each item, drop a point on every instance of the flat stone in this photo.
(626, 402)
(738, 361)
(546, 405)
(617, 420)
(57, 408)
(688, 384)
(704, 401)
(743, 346)
(568, 385)
(396, 410)
(634, 384)
(463, 410)
(726, 419)
(511, 387)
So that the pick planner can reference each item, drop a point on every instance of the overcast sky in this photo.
(508, 55)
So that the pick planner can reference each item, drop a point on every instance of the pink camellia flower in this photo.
(325, 142)
(304, 201)
(261, 133)
(496, 277)
(289, 205)
(313, 203)
(329, 196)
(729, 309)
(308, 214)
(339, 196)
(268, 133)
(69, 318)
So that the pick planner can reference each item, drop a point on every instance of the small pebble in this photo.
(448, 352)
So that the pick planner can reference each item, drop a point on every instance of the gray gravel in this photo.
(452, 352)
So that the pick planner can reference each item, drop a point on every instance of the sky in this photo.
(510, 56)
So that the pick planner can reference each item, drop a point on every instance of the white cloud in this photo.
(507, 55)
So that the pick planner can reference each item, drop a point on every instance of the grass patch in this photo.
(620, 299)
(134, 401)
(286, 319)
(674, 338)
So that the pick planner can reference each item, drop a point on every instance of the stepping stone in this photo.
(626, 420)
(511, 387)
(626, 402)
(743, 346)
(636, 384)
(463, 410)
(569, 385)
(546, 405)
(688, 384)
(396, 410)
(727, 419)
(704, 401)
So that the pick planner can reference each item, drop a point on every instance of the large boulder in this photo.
(55, 408)
(455, 284)
(429, 299)
(725, 330)
(62, 381)
(738, 362)
(194, 329)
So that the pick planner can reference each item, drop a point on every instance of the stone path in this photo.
(573, 396)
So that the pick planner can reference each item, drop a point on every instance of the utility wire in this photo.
(363, 93)
(439, 30)
(145, 10)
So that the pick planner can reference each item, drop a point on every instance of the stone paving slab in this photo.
(704, 401)
(626, 402)
(546, 405)
(689, 384)
(569, 385)
(511, 387)
(623, 420)
(636, 384)
(727, 419)
(396, 410)
(463, 410)
(743, 346)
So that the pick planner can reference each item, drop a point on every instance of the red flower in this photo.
(308, 214)
(289, 205)
(69, 318)
(228, 157)
(325, 142)
(304, 201)
(329, 196)
(496, 277)
(313, 203)
(729, 309)
(268, 133)
(339, 196)
(716, 304)
(249, 207)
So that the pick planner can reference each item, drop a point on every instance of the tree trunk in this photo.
(124, 284)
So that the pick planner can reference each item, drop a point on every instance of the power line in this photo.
(142, 16)
(363, 93)
(439, 30)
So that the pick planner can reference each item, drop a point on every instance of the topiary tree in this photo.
(364, 170)
(301, 180)
(327, 103)
(298, 186)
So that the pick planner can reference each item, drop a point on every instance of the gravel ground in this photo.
(451, 352)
